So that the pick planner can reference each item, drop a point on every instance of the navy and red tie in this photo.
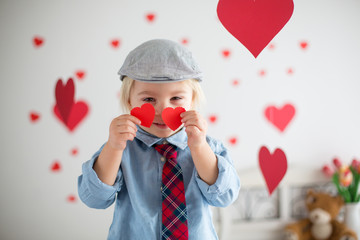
(174, 214)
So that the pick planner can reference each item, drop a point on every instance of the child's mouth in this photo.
(161, 125)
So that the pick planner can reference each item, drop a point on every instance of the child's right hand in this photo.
(122, 128)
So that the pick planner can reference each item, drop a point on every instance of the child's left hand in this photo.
(195, 128)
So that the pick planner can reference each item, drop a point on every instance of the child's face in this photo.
(161, 96)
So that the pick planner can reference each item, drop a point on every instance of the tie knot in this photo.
(167, 150)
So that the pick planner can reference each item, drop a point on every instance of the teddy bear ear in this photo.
(310, 192)
(339, 200)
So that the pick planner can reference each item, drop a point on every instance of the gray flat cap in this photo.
(160, 60)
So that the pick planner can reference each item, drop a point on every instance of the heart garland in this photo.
(170, 116)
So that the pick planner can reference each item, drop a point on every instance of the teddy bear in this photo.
(321, 223)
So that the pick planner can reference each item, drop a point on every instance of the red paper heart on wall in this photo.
(145, 113)
(171, 117)
(64, 96)
(68, 111)
(254, 22)
(273, 167)
(280, 118)
(78, 112)
(38, 41)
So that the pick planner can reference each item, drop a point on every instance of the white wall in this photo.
(324, 88)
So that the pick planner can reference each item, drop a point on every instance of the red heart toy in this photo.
(146, 114)
(254, 22)
(280, 118)
(171, 117)
(273, 167)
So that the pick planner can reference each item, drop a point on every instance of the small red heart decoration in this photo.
(254, 22)
(146, 114)
(80, 74)
(171, 117)
(280, 118)
(233, 140)
(38, 41)
(235, 82)
(71, 198)
(150, 17)
(303, 45)
(74, 151)
(55, 167)
(212, 118)
(34, 117)
(184, 41)
(226, 53)
(115, 43)
(273, 167)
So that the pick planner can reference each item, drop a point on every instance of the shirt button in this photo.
(164, 142)
(161, 188)
(162, 159)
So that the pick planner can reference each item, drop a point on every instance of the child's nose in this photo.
(160, 107)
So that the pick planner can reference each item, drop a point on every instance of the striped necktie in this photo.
(174, 214)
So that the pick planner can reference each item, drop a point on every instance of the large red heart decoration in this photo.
(280, 118)
(64, 95)
(78, 112)
(273, 167)
(171, 117)
(254, 22)
(68, 111)
(146, 114)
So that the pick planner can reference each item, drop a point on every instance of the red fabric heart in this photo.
(254, 23)
(78, 112)
(146, 114)
(171, 117)
(280, 118)
(64, 95)
(273, 167)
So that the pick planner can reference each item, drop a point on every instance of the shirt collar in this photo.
(178, 139)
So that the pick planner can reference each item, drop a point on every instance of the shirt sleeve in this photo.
(92, 191)
(226, 188)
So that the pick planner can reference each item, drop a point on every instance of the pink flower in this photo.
(345, 176)
(337, 163)
(356, 165)
(328, 171)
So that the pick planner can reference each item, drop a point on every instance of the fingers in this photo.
(193, 118)
(122, 129)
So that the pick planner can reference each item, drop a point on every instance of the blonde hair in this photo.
(198, 98)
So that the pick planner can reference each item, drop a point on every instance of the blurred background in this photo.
(312, 65)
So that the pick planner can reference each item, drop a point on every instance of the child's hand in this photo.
(122, 128)
(196, 128)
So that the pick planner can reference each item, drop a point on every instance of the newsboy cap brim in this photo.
(160, 60)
